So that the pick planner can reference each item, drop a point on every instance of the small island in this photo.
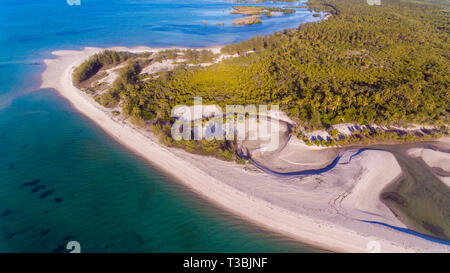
(249, 20)
(254, 13)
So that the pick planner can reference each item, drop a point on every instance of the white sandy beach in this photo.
(321, 210)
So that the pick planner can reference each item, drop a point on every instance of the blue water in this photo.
(62, 178)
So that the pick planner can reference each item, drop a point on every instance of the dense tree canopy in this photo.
(366, 64)
(91, 66)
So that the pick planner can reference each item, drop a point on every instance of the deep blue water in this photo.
(62, 178)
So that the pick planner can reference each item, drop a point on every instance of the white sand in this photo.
(364, 196)
(156, 67)
(306, 209)
(111, 74)
(295, 155)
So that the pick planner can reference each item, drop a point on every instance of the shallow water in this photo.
(419, 198)
(64, 179)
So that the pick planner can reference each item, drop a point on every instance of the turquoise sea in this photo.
(64, 179)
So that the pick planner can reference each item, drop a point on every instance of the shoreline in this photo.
(341, 235)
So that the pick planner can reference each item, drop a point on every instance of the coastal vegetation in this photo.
(188, 56)
(369, 135)
(91, 66)
(384, 65)
(387, 65)
(192, 56)
(127, 79)
(168, 54)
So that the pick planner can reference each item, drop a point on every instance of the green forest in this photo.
(385, 65)
(91, 66)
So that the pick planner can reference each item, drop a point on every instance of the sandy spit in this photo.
(302, 209)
